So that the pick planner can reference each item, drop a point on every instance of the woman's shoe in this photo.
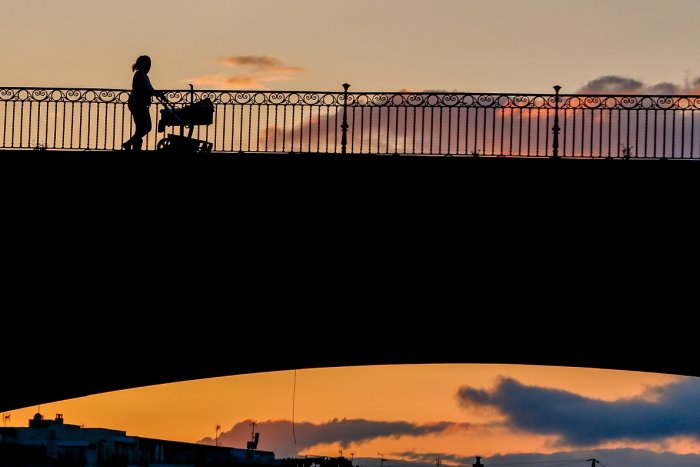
(127, 146)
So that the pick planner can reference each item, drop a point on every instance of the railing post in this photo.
(555, 128)
(344, 125)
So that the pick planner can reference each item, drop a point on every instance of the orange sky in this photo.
(190, 411)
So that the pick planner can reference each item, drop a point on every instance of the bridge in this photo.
(108, 350)
(95, 331)
(371, 123)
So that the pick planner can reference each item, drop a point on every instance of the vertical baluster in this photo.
(664, 112)
(484, 129)
(267, 123)
(537, 133)
(555, 128)
(38, 124)
(399, 109)
(563, 144)
(370, 126)
(619, 131)
(682, 134)
(293, 124)
(588, 147)
(692, 131)
(21, 122)
(362, 129)
(529, 131)
(520, 129)
(46, 130)
(502, 151)
(344, 125)
(4, 123)
(89, 106)
(582, 151)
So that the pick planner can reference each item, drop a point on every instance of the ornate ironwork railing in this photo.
(425, 123)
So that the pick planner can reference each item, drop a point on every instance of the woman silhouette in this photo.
(139, 101)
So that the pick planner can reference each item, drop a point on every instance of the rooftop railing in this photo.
(420, 123)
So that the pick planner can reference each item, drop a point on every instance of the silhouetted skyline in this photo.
(414, 412)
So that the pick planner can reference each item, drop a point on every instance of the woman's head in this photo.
(143, 63)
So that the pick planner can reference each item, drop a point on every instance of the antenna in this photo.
(254, 437)
(216, 439)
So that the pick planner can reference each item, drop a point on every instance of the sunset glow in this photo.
(426, 397)
(452, 45)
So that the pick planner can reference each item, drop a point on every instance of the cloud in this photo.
(665, 89)
(221, 80)
(615, 84)
(289, 69)
(429, 457)
(253, 72)
(661, 412)
(611, 457)
(376, 128)
(277, 435)
(257, 62)
(612, 84)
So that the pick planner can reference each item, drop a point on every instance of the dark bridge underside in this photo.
(131, 353)
(314, 270)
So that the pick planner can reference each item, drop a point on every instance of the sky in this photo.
(505, 413)
(513, 46)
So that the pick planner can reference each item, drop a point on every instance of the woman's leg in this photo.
(142, 126)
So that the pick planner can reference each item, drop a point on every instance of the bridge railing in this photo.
(423, 123)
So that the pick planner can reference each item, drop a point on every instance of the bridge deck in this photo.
(99, 255)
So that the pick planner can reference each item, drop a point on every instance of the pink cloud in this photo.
(255, 72)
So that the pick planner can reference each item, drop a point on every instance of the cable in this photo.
(566, 461)
(294, 398)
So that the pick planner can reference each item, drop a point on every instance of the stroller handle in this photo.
(160, 95)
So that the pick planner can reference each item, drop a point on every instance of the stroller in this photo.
(197, 113)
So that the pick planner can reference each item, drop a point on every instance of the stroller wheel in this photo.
(163, 145)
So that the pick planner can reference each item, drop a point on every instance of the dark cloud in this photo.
(665, 411)
(614, 84)
(258, 62)
(663, 89)
(277, 435)
(429, 457)
(610, 457)
(262, 63)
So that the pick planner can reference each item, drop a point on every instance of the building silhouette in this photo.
(47, 442)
